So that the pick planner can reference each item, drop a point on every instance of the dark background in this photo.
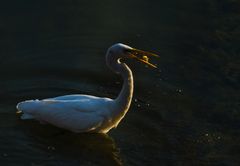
(186, 112)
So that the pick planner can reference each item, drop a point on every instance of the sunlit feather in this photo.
(85, 113)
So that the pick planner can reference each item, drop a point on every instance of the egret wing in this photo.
(64, 114)
(73, 97)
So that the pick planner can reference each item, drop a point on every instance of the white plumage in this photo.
(85, 113)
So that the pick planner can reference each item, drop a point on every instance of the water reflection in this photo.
(65, 146)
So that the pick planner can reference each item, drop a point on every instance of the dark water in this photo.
(186, 112)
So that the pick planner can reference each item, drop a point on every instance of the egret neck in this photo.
(125, 96)
(123, 101)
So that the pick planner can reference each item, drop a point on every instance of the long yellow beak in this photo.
(142, 56)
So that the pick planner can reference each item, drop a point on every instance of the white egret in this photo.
(85, 113)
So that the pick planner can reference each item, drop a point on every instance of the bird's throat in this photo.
(123, 101)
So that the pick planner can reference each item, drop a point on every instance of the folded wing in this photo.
(74, 115)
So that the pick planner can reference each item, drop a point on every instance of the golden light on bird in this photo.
(142, 56)
(86, 113)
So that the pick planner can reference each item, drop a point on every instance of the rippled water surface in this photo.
(186, 112)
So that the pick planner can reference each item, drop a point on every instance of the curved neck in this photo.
(125, 96)
(123, 101)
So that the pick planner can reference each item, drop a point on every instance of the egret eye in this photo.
(127, 51)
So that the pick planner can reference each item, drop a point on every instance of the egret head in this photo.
(121, 51)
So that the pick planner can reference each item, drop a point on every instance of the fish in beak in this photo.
(142, 56)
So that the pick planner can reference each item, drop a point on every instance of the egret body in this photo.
(85, 113)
